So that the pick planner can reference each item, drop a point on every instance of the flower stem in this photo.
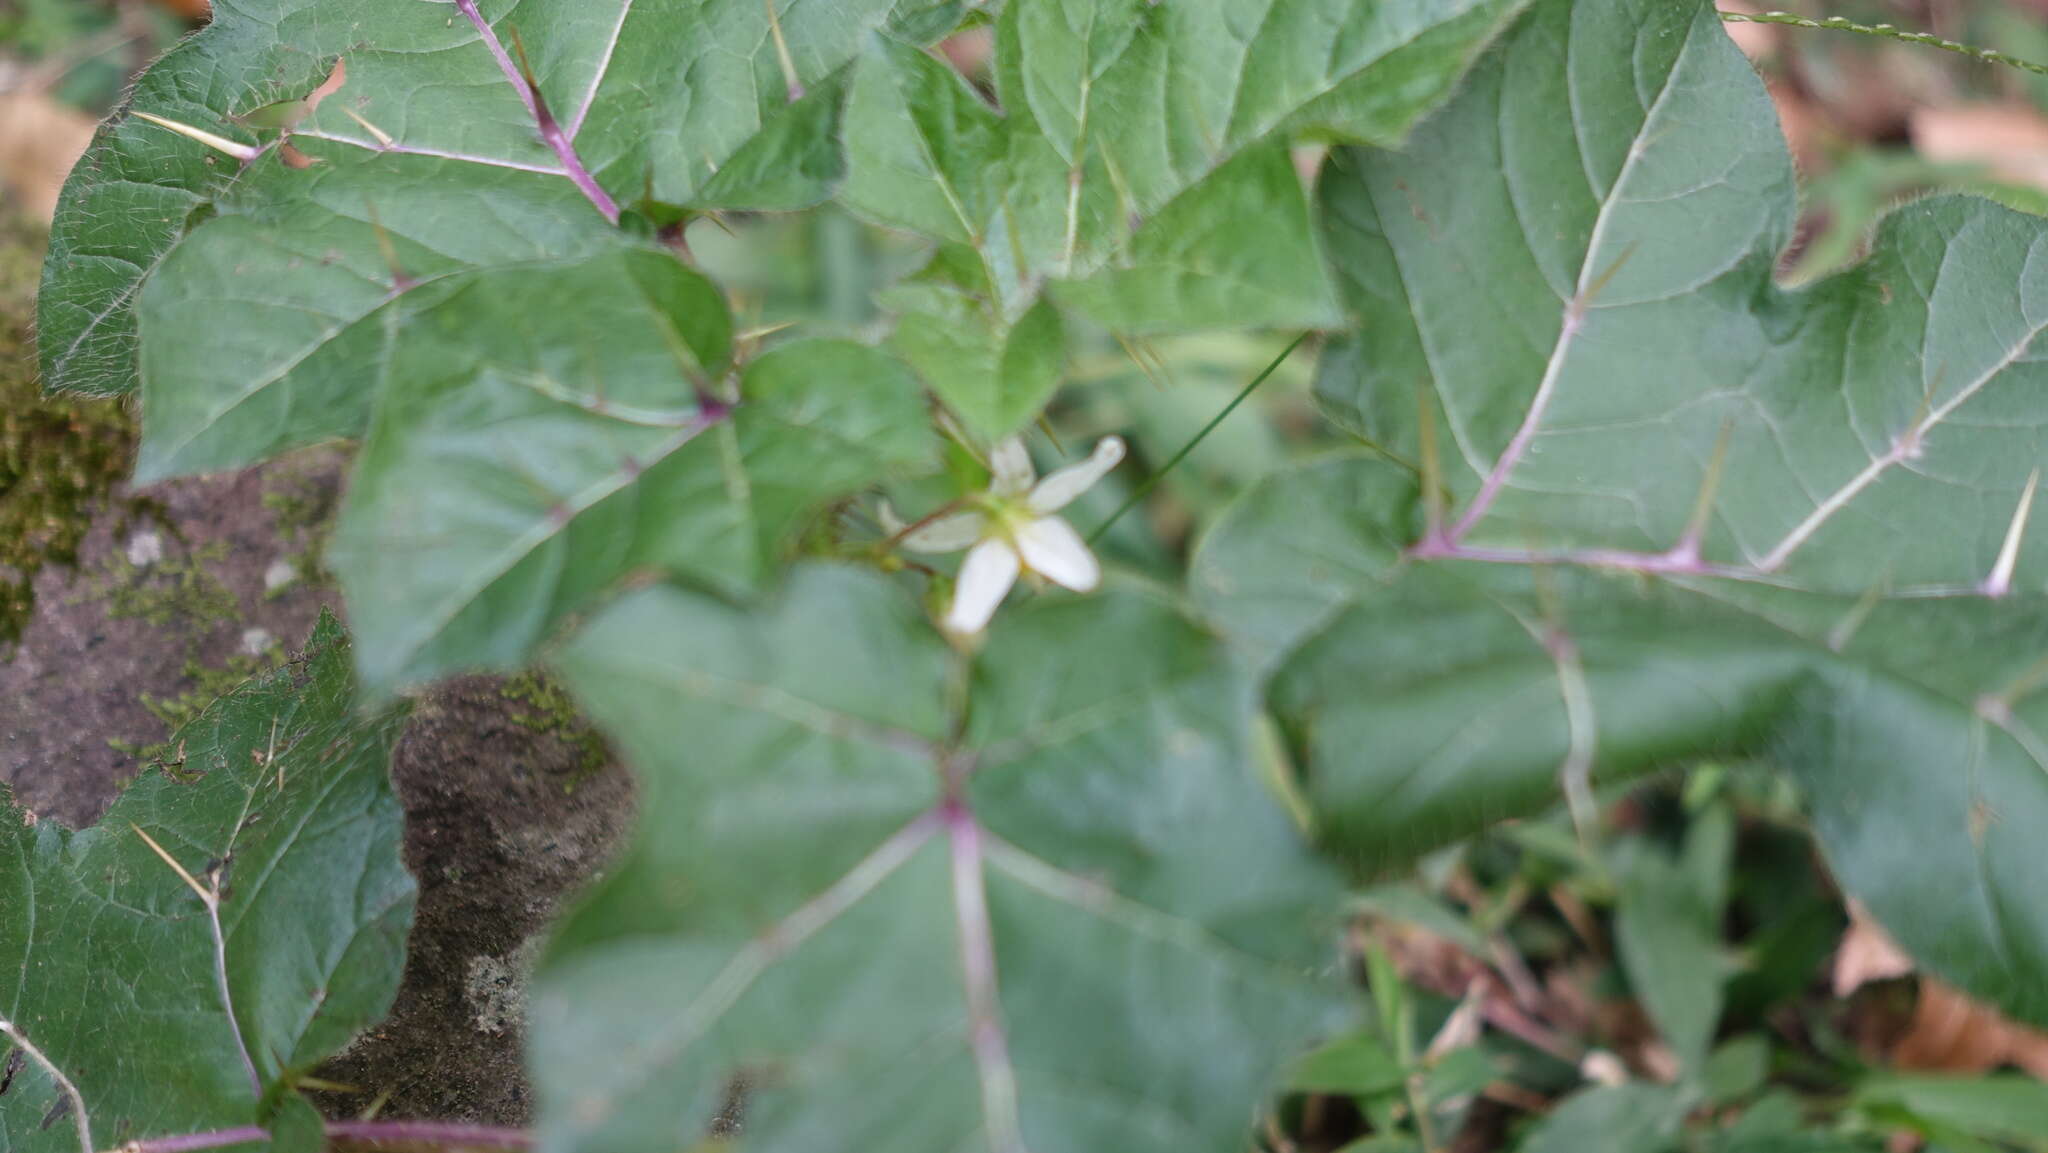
(1888, 32)
(1152, 481)
(551, 132)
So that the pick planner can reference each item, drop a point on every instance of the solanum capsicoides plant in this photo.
(1022, 887)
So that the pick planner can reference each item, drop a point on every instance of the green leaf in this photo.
(1608, 199)
(1777, 1124)
(996, 376)
(1436, 697)
(1139, 159)
(1411, 904)
(1667, 931)
(878, 898)
(511, 483)
(1621, 1119)
(1296, 549)
(929, 150)
(274, 324)
(693, 105)
(1356, 1065)
(1684, 512)
(1996, 1106)
(432, 129)
(1736, 1069)
(1191, 267)
(137, 1010)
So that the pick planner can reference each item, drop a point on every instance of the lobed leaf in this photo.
(1437, 697)
(1606, 202)
(880, 898)
(1686, 513)
(415, 118)
(139, 1009)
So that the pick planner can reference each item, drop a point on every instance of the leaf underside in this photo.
(1681, 512)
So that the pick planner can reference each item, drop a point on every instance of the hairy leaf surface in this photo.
(879, 898)
(131, 1009)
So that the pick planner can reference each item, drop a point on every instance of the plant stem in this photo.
(551, 132)
(442, 1133)
(1888, 32)
(1152, 481)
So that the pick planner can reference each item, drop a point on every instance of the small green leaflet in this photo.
(135, 1008)
(1138, 166)
(1812, 506)
(1668, 916)
(881, 898)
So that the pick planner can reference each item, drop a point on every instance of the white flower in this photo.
(1011, 529)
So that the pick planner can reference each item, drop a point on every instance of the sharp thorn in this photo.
(1045, 426)
(242, 152)
(1703, 505)
(399, 280)
(750, 335)
(1137, 358)
(2000, 581)
(540, 103)
(1845, 629)
(1432, 467)
(791, 83)
(1584, 299)
(205, 894)
(382, 137)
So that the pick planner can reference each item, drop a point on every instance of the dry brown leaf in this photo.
(40, 139)
(2009, 140)
(1805, 128)
(1866, 954)
(1949, 1032)
(1953, 1034)
(970, 51)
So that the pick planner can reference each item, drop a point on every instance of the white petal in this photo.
(946, 534)
(1011, 464)
(1052, 549)
(1057, 490)
(985, 579)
